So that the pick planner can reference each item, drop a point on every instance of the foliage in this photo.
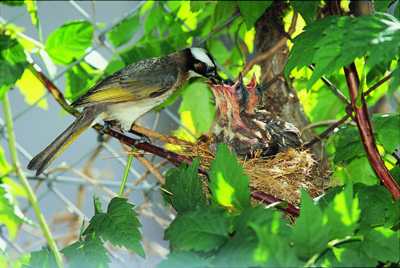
(354, 224)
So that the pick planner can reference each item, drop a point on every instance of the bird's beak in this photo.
(240, 78)
(217, 80)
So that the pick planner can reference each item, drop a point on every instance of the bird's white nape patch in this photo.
(201, 55)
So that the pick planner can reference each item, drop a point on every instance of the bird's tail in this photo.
(43, 159)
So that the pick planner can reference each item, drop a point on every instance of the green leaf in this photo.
(77, 80)
(324, 200)
(347, 152)
(184, 259)
(5, 167)
(393, 214)
(196, 6)
(395, 81)
(307, 9)
(203, 229)
(375, 35)
(186, 188)
(32, 9)
(13, 3)
(124, 31)
(69, 42)
(252, 10)
(97, 205)
(119, 225)
(387, 126)
(196, 99)
(397, 12)
(382, 244)
(12, 61)
(43, 258)
(374, 200)
(303, 49)
(90, 253)
(10, 214)
(343, 214)
(360, 170)
(229, 186)
(307, 240)
(382, 5)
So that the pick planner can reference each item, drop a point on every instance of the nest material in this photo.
(282, 175)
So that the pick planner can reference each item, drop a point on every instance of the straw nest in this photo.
(282, 175)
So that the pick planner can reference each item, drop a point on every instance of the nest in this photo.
(282, 175)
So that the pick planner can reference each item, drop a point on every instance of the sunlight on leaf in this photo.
(32, 89)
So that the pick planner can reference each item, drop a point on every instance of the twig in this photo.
(326, 122)
(150, 167)
(24, 181)
(158, 136)
(272, 50)
(383, 80)
(326, 132)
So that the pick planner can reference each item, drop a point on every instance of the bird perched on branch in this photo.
(125, 95)
(249, 129)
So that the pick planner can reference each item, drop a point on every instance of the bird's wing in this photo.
(144, 79)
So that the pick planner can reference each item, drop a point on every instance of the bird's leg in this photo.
(143, 138)
(105, 126)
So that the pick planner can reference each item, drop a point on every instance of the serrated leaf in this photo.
(252, 10)
(196, 6)
(393, 214)
(375, 35)
(373, 202)
(349, 151)
(382, 244)
(387, 126)
(307, 9)
(360, 170)
(324, 200)
(43, 258)
(307, 240)
(10, 214)
(203, 229)
(347, 135)
(119, 225)
(90, 253)
(97, 205)
(186, 188)
(124, 31)
(69, 42)
(33, 90)
(196, 99)
(343, 214)
(229, 186)
(12, 61)
(184, 259)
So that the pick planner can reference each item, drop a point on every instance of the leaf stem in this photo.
(128, 165)
(25, 183)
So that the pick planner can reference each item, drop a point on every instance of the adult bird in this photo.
(132, 91)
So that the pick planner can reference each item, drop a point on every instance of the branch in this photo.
(363, 122)
(173, 157)
(383, 80)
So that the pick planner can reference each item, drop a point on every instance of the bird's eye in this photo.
(258, 89)
(238, 87)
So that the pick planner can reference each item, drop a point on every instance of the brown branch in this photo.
(363, 122)
(272, 50)
(364, 126)
(173, 157)
(150, 167)
(383, 80)
(326, 132)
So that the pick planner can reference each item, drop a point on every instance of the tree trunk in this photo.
(280, 98)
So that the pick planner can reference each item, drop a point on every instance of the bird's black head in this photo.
(241, 91)
(202, 64)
